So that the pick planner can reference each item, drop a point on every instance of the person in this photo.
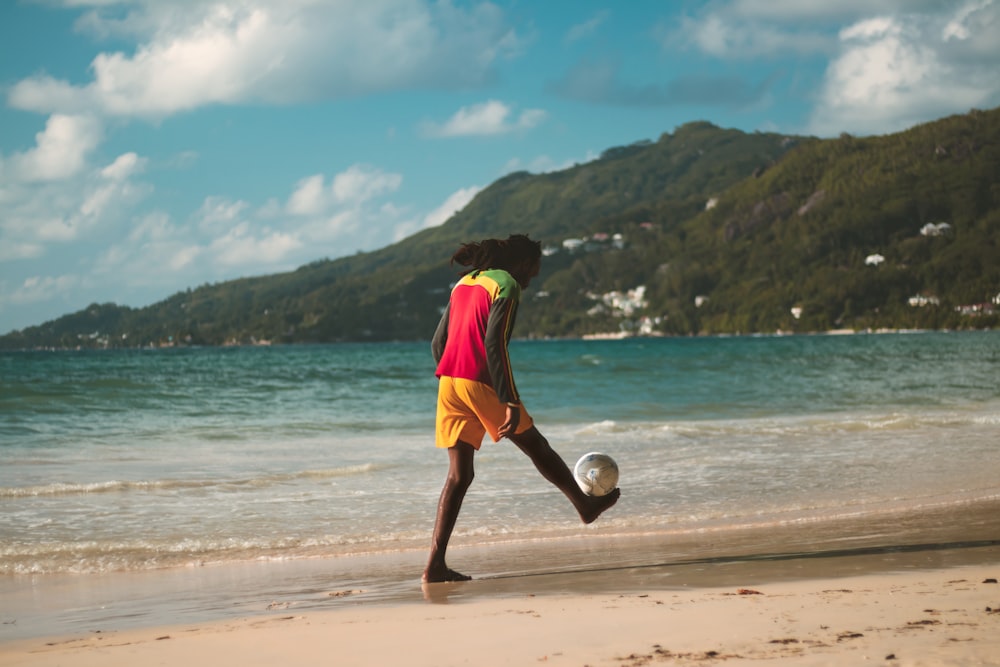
(476, 390)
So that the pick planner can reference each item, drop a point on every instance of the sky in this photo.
(151, 146)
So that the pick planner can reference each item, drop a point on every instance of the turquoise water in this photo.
(138, 460)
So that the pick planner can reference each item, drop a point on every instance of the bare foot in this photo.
(597, 505)
(443, 574)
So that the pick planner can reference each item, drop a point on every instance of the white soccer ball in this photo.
(596, 473)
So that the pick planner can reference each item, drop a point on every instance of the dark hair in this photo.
(497, 253)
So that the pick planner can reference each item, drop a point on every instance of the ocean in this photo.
(170, 460)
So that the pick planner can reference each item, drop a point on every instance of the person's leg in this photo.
(461, 471)
(554, 469)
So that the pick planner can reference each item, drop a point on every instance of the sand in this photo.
(947, 615)
(898, 589)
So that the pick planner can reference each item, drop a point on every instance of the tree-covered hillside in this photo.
(705, 230)
(809, 234)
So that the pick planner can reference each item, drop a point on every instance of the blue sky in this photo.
(150, 146)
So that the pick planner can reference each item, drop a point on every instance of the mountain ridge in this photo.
(724, 231)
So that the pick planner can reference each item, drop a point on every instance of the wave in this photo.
(966, 516)
(834, 422)
(100, 556)
(128, 486)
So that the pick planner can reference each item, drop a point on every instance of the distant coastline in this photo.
(596, 336)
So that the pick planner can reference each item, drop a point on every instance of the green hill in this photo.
(712, 230)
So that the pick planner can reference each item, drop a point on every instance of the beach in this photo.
(796, 500)
(925, 606)
(793, 594)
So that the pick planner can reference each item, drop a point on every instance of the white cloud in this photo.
(970, 34)
(11, 250)
(117, 190)
(275, 51)
(360, 183)
(126, 252)
(243, 248)
(59, 204)
(796, 11)
(893, 72)
(871, 29)
(452, 205)
(219, 213)
(348, 206)
(728, 35)
(124, 166)
(151, 228)
(154, 252)
(213, 244)
(455, 202)
(890, 63)
(60, 151)
(587, 28)
(309, 197)
(487, 118)
(42, 288)
(184, 257)
(39, 215)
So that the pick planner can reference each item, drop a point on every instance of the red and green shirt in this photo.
(471, 339)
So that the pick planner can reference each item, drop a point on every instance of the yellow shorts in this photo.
(467, 410)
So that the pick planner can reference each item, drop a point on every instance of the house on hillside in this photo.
(921, 300)
(975, 309)
(874, 260)
(620, 303)
(935, 229)
(598, 241)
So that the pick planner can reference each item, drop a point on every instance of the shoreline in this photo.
(910, 607)
(596, 562)
(594, 336)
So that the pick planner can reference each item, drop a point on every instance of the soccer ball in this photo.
(596, 473)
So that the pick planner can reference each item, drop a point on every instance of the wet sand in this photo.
(901, 589)
(942, 616)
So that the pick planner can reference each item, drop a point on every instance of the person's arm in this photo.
(509, 426)
(440, 335)
(499, 325)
